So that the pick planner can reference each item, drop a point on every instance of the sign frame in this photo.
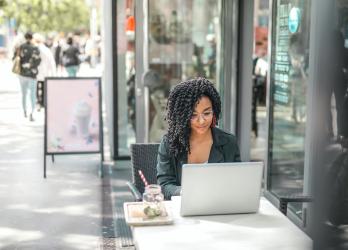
(100, 149)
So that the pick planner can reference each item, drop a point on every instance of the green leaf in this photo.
(47, 15)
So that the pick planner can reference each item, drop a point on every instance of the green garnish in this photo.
(151, 212)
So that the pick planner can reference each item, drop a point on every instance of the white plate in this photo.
(135, 216)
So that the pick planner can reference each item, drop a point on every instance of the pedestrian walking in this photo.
(57, 50)
(29, 62)
(70, 58)
(46, 68)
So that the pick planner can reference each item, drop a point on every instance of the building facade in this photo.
(279, 65)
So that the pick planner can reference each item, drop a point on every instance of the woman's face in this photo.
(202, 116)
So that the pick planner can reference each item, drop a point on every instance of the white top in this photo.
(47, 66)
(268, 229)
(261, 67)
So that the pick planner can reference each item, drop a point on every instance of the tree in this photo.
(46, 15)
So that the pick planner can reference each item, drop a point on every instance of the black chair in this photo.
(285, 200)
(144, 158)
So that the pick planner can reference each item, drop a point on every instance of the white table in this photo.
(268, 229)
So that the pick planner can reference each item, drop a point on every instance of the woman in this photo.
(70, 58)
(193, 110)
(30, 60)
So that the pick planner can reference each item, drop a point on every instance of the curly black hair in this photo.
(180, 106)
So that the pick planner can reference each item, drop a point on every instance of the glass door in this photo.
(288, 102)
(175, 40)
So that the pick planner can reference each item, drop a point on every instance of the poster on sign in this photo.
(73, 115)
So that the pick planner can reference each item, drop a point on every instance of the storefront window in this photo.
(259, 82)
(289, 80)
(184, 42)
(125, 75)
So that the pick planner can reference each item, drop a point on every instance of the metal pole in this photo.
(45, 166)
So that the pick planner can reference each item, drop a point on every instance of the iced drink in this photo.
(82, 113)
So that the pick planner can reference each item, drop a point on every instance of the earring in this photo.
(213, 122)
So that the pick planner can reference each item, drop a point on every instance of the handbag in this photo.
(16, 68)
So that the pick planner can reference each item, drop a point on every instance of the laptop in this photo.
(221, 188)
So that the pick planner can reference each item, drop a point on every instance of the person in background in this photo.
(46, 68)
(57, 48)
(89, 50)
(298, 76)
(260, 67)
(336, 70)
(193, 110)
(29, 60)
(70, 58)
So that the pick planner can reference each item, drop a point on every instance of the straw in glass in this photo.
(143, 178)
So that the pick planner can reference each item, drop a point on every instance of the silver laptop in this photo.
(221, 188)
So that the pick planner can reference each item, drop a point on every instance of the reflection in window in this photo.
(331, 169)
(184, 42)
(263, 4)
(289, 70)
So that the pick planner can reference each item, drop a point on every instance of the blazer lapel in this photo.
(182, 159)
(215, 154)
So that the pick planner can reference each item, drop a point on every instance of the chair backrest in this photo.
(144, 157)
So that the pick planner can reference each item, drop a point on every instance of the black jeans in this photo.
(40, 93)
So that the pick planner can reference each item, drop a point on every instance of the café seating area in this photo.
(144, 157)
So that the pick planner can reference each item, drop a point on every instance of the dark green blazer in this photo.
(224, 149)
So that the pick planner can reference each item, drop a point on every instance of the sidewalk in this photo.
(71, 209)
